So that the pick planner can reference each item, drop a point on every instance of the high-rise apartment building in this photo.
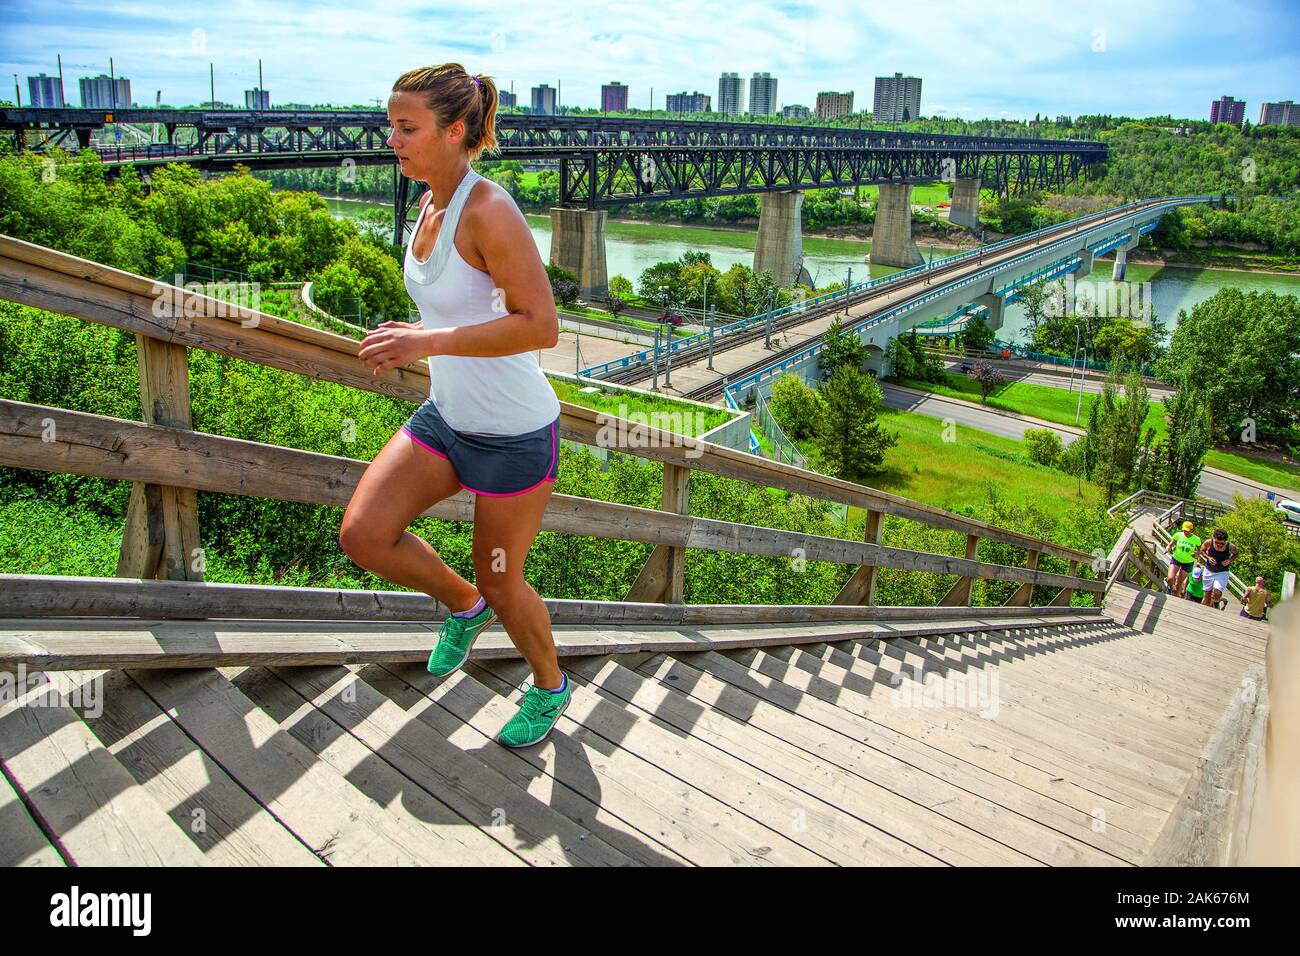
(97, 92)
(544, 99)
(44, 92)
(731, 94)
(762, 94)
(831, 105)
(684, 102)
(1227, 110)
(1284, 113)
(613, 98)
(898, 98)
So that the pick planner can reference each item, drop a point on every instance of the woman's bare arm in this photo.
(523, 295)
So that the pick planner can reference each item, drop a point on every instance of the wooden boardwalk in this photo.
(1029, 741)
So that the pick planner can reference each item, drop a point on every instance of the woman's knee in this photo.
(361, 539)
(499, 587)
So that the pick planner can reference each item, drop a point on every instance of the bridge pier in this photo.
(780, 238)
(1085, 267)
(965, 210)
(578, 244)
(891, 239)
(996, 306)
(1121, 256)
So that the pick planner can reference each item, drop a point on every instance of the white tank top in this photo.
(483, 395)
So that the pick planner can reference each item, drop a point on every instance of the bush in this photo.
(1044, 446)
(798, 408)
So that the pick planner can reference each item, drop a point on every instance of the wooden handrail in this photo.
(61, 283)
(105, 447)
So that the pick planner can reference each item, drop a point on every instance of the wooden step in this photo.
(71, 644)
(80, 795)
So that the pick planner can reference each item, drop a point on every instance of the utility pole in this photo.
(212, 86)
(713, 320)
(654, 384)
(767, 344)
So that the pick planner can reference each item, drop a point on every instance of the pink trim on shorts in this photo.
(555, 450)
(423, 444)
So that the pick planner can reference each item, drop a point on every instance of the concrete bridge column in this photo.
(965, 210)
(578, 244)
(1085, 267)
(780, 238)
(891, 239)
(1121, 255)
(996, 306)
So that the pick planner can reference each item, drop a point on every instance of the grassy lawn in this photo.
(1058, 406)
(627, 320)
(686, 419)
(948, 475)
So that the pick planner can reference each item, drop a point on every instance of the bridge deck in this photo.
(791, 753)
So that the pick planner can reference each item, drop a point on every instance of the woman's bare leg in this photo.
(504, 531)
(402, 482)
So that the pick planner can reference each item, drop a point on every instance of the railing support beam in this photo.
(860, 589)
(662, 579)
(161, 537)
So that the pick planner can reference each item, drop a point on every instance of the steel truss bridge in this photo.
(602, 161)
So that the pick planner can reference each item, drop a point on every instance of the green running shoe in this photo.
(539, 711)
(455, 638)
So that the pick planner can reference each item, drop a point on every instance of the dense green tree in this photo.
(853, 443)
(1181, 452)
(798, 408)
(1241, 350)
(840, 347)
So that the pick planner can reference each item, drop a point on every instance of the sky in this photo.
(976, 60)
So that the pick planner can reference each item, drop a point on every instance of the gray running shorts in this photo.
(493, 465)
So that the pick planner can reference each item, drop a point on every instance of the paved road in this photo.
(1092, 383)
(1213, 485)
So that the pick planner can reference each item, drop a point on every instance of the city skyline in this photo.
(1163, 58)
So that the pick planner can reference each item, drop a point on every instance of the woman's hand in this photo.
(395, 344)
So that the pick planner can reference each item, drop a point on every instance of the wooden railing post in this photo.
(1024, 594)
(1063, 598)
(960, 593)
(860, 589)
(161, 537)
(661, 579)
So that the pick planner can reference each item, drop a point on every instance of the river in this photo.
(631, 248)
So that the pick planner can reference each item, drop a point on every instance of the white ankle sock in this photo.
(476, 609)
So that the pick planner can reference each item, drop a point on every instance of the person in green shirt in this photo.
(1182, 553)
(1196, 585)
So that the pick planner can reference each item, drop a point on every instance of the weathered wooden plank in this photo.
(594, 754)
(661, 579)
(95, 810)
(229, 826)
(941, 807)
(114, 448)
(702, 755)
(959, 593)
(432, 748)
(22, 842)
(172, 644)
(462, 843)
(320, 805)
